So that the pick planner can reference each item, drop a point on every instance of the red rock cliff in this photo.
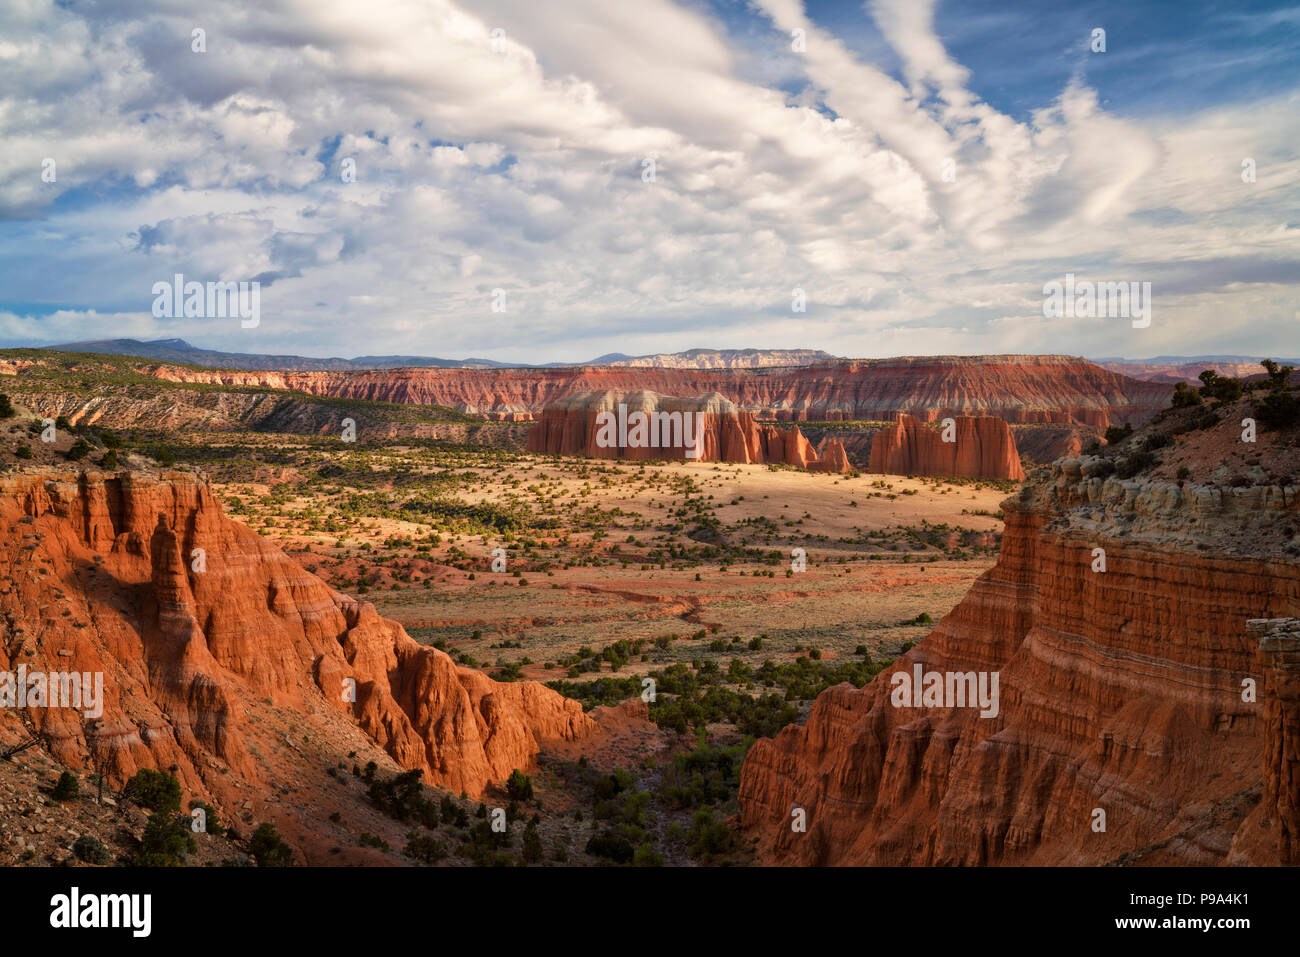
(1045, 389)
(99, 573)
(982, 447)
(720, 433)
(1121, 692)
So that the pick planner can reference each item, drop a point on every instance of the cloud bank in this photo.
(623, 177)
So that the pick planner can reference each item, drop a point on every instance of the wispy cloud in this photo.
(508, 146)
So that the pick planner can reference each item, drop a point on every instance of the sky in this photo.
(552, 181)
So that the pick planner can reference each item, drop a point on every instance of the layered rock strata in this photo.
(193, 621)
(1115, 620)
(1017, 388)
(646, 425)
(980, 447)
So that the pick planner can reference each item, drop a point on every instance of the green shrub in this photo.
(109, 460)
(1222, 388)
(424, 848)
(1135, 464)
(611, 846)
(708, 837)
(91, 850)
(67, 788)
(211, 822)
(519, 786)
(1118, 433)
(402, 797)
(6, 407)
(268, 848)
(647, 856)
(23, 452)
(166, 841)
(532, 851)
(156, 790)
(1185, 396)
(1278, 376)
(1278, 409)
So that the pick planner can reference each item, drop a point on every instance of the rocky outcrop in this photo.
(1028, 389)
(1115, 621)
(646, 425)
(195, 623)
(1272, 832)
(832, 456)
(980, 447)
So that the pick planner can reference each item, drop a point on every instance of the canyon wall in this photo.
(1028, 389)
(207, 634)
(1124, 731)
(982, 447)
(572, 425)
(179, 409)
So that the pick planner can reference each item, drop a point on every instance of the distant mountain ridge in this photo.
(178, 350)
(1171, 369)
(1164, 369)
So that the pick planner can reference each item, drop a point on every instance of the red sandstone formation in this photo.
(99, 573)
(982, 447)
(1043, 389)
(831, 457)
(572, 426)
(1273, 831)
(1120, 691)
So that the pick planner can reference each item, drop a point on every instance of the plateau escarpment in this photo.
(1018, 389)
(1141, 718)
(206, 635)
(645, 425)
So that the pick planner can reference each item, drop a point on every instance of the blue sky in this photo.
(920, 170)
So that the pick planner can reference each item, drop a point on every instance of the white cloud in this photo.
(522, 169)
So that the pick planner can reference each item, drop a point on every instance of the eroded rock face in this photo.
(1121, 692)
(709, 426)
(982, 447)
(1015, 388)
(193, 621)
(1272, 832)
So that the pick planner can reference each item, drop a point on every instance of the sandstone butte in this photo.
(983, 447)
(568, 426)
(1120, 691)
(97, 575)
(1016, 388)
